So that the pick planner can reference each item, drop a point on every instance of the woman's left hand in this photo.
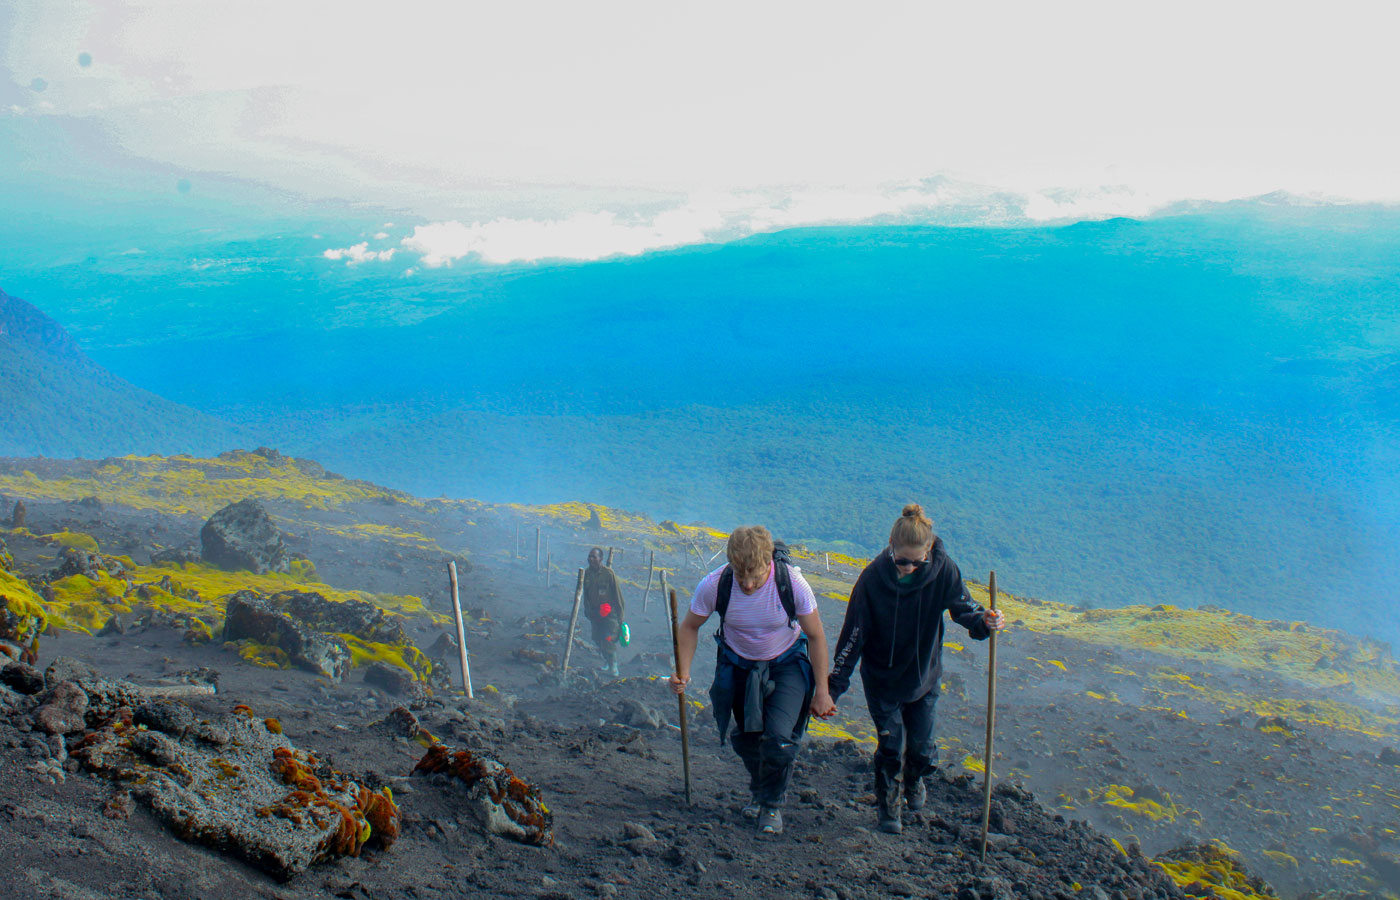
(994, 619)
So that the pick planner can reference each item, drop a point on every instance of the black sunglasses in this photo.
(901, 561)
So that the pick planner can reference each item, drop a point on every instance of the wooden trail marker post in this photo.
(991, 719)
(663, 585)
(610, 555)
(537, 548)
(828, 562)
(573, 623)
(516, 554)
(651, 570)
(461, 631)
(685, 725)
(549, 570)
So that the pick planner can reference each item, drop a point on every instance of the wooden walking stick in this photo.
(573, 623)
(991, 719)
(685, 726)
(651, 569)
(461, 631)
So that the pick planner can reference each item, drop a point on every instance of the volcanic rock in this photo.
(270, 809)
(638, 715)
(503, 803)
(23, 678)
(74, 561)
(17, 517)
(251, 617)
(363, 620)
(1388, 756)
(175, 556)
(63, 711)
(394, 679)
(242, 536)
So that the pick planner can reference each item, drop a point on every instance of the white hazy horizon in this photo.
(534, 130)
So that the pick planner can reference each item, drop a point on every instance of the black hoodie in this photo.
(896, 630)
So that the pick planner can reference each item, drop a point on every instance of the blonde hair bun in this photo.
(912, 528)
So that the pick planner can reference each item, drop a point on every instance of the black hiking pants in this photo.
(770, 753)
(905, 733)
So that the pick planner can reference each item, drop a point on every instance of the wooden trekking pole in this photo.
(573, 623)
(685, 726)
(651, 570)
(991, 719)
(461, 631)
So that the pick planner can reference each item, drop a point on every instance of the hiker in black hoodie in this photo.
(894, 627)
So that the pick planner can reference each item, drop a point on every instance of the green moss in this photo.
(264, 655)
(184, 485)
(85, 604)
(74, 540)
(405, 656)
(22, 612)
(1123, 797)
(1213, 870)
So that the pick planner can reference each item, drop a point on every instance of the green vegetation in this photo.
(184, 485)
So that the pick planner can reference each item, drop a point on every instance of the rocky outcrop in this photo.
(18, 515)
(242, 536)
(364, 620)
(75, 561)
(251, 617)
(503, 803)
(174, 556)
(234, 784)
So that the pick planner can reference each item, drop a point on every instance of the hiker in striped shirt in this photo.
(766, 683)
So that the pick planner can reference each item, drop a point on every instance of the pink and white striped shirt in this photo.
(756, 625)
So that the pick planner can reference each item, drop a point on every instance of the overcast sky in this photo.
(612, 126)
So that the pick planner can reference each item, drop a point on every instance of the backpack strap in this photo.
(782, 579)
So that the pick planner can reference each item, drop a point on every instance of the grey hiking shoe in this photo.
(770, 821)
(915, 795)
(751, 809)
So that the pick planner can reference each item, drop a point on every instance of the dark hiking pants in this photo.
(905, 733)
(769, 754)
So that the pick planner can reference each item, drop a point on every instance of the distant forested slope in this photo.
(54, 401)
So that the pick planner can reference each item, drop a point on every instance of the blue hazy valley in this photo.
(1195, 408)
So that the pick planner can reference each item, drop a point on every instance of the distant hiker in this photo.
(894, 627)
(603, 605)
(766, 683)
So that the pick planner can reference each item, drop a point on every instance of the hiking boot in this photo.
(612, 670)
(887, 802)
(915, 794)
(770, 821)
(752, 810)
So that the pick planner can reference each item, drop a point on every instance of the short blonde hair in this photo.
(750, 550)
(912, 528)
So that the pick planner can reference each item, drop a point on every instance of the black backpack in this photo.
(781, 576)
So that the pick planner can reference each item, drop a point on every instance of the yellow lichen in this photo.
(74, 540)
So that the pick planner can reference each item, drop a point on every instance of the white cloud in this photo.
(359, 253)
(704, 218)
(582, 236)
(1021, 95)
(381, 236)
